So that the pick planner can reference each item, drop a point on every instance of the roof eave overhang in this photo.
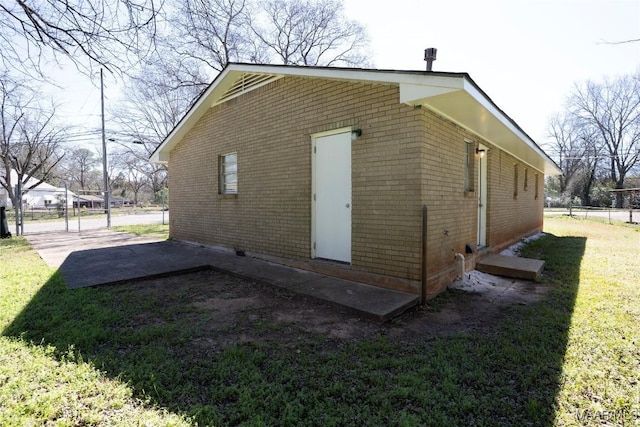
(452, 95)
(461, 101)
(217, 90)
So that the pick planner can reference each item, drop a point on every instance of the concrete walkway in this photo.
(100, 257)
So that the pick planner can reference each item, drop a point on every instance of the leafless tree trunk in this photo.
(588, 169)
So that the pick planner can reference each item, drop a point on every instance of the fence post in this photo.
(163, 207)
(78, 195)
(571, 206)
(66, 207)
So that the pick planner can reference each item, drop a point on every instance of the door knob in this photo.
(348, 205)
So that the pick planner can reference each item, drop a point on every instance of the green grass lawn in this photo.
(160, 231)
(113, 356)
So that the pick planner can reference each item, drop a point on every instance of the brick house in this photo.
(328, 169)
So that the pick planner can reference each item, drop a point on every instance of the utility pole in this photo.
(104, 157)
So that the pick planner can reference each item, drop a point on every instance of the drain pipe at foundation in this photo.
(459, 256)
(423, 269)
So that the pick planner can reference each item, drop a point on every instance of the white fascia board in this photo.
(389, 77)
(372, 76)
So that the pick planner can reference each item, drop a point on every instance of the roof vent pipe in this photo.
(430, 56)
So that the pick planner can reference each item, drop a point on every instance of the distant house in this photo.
(4, 196)
(88, 201)
(328, 169)
(43, 196)
(47, 196)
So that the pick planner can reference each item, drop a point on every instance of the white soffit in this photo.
(461, 102)
(409, 93)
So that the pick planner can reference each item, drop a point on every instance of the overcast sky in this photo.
(526, 55)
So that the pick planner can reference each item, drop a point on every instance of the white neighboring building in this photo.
(4, 198)
(42, 196)
(46, 196)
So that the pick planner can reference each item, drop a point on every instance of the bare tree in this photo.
(135, 174)
(568, 148)
(214, 32)
(577, 152)
(207, 35)
(88, 32)
(591, 162)
(30, 142)
(79, 166)
(155, 103)
(612, 110)
(310, 32)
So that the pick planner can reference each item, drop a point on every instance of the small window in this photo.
(468, 166)
(515, 181)
(229, 173)
(536, 186)
(526, 179)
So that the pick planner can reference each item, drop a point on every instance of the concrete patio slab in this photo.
(101, 257)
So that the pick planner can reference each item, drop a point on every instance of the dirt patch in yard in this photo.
(230, 310)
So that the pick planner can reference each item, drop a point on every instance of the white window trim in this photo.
(515, 180)
(468, 166)
(223, 185)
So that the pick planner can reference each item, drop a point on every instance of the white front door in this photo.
(332, 197)
(482, 199)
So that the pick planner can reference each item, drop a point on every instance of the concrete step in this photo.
(511, 266)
